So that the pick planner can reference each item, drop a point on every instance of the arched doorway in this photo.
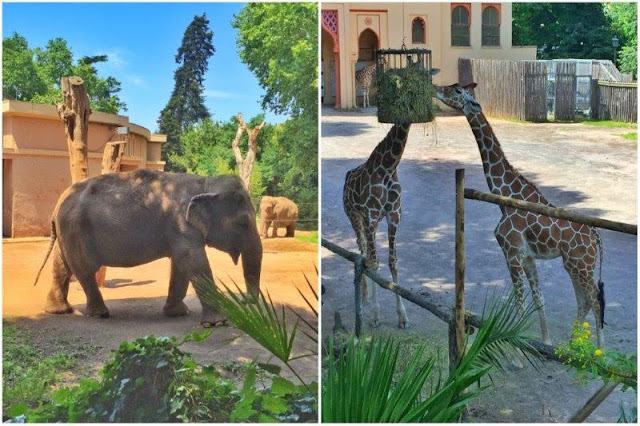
(368, 42)
(328, 70)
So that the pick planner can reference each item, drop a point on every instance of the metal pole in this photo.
(357, 284)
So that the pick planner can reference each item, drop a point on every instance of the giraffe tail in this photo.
(601, 299)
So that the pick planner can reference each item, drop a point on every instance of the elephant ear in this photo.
(197, 212)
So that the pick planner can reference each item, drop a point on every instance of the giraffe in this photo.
(371, 193)
(525, 236)
(364, 79)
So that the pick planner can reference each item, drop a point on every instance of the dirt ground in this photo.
(135, 297)
(580, 167)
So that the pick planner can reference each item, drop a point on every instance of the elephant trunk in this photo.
(252, 265)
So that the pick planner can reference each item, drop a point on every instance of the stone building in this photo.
(352, 31)
(35, 160)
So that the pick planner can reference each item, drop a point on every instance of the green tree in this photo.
(624, 21)
(279, 42)
(563, 30)
(186, 105)
(34, 74)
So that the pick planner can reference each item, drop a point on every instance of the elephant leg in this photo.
(178, 285)
(291, 230)
(274, 233)
(265, 228)
(95, 303)
(196, 267)
(57, 302)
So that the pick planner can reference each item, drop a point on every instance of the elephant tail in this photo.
(53, 241)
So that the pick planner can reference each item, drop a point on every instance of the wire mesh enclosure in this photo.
(404, 85)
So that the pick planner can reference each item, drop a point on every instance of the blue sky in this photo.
(141, 40)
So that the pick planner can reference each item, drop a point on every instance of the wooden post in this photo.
(357, 284)
(112, 157)
(245, 165)
(459, 278)
(74, 113)
(593, 402)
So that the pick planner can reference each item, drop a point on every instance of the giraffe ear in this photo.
(470, 86)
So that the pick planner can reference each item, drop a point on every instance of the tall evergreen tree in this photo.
(186, 105)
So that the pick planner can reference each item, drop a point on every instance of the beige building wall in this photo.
(392, 24)
(36, 161)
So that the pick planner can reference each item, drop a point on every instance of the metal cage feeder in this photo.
(404, 85)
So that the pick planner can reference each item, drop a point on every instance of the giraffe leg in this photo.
(581, 299)
(372, 263)
(538, 299)
(585, 281)
(392, 226)
(358, 227)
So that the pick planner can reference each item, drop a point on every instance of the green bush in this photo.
(152, 380)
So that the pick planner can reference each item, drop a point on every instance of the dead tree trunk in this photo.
(74, 113)
(245, 165)
(112, 157)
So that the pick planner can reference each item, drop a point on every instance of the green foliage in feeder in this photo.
(404, 96)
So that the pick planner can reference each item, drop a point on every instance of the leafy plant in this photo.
(359, 384)
(260, 319)
(591, 362)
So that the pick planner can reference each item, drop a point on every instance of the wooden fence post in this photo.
(74, 113)
(459, 278)
(357, 284)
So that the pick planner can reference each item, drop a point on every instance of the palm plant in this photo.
(261, 320)
(359, 384)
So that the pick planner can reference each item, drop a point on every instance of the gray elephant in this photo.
(128, 219)
(279, 211)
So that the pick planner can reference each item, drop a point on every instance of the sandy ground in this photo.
(135, 297)
(583, 168)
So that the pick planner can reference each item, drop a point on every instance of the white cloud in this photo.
(136, 80)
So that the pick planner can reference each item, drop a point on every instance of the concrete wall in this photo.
(36, 161)
(392, 21)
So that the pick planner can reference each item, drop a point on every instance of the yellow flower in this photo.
(585, 325)
(587, 333)
(598, 352)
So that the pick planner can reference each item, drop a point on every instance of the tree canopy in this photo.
(278, 42)
(563, 30)
(624, 21)
(186, 104)
(33, 74)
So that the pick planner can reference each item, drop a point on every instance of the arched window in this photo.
(418, 31)
(490, 26)
(460, 21)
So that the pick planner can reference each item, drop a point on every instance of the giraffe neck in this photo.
(388, 152)
(494, 162)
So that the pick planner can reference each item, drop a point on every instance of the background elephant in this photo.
(128, 219)
(279, 211)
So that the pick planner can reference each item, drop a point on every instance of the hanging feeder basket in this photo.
(404, 85)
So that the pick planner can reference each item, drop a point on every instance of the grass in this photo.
(29, 374)
(610, 124)
(631, 136)
(311, 238)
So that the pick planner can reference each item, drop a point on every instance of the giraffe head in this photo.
(459, 97)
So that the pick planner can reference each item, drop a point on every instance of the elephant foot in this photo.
(99, 312)
(175, 310)
(213, 320)
(58, 307)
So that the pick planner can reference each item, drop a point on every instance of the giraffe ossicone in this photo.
(526, 236)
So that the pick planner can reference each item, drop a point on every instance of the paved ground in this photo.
(579, 167)
(135, 297)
